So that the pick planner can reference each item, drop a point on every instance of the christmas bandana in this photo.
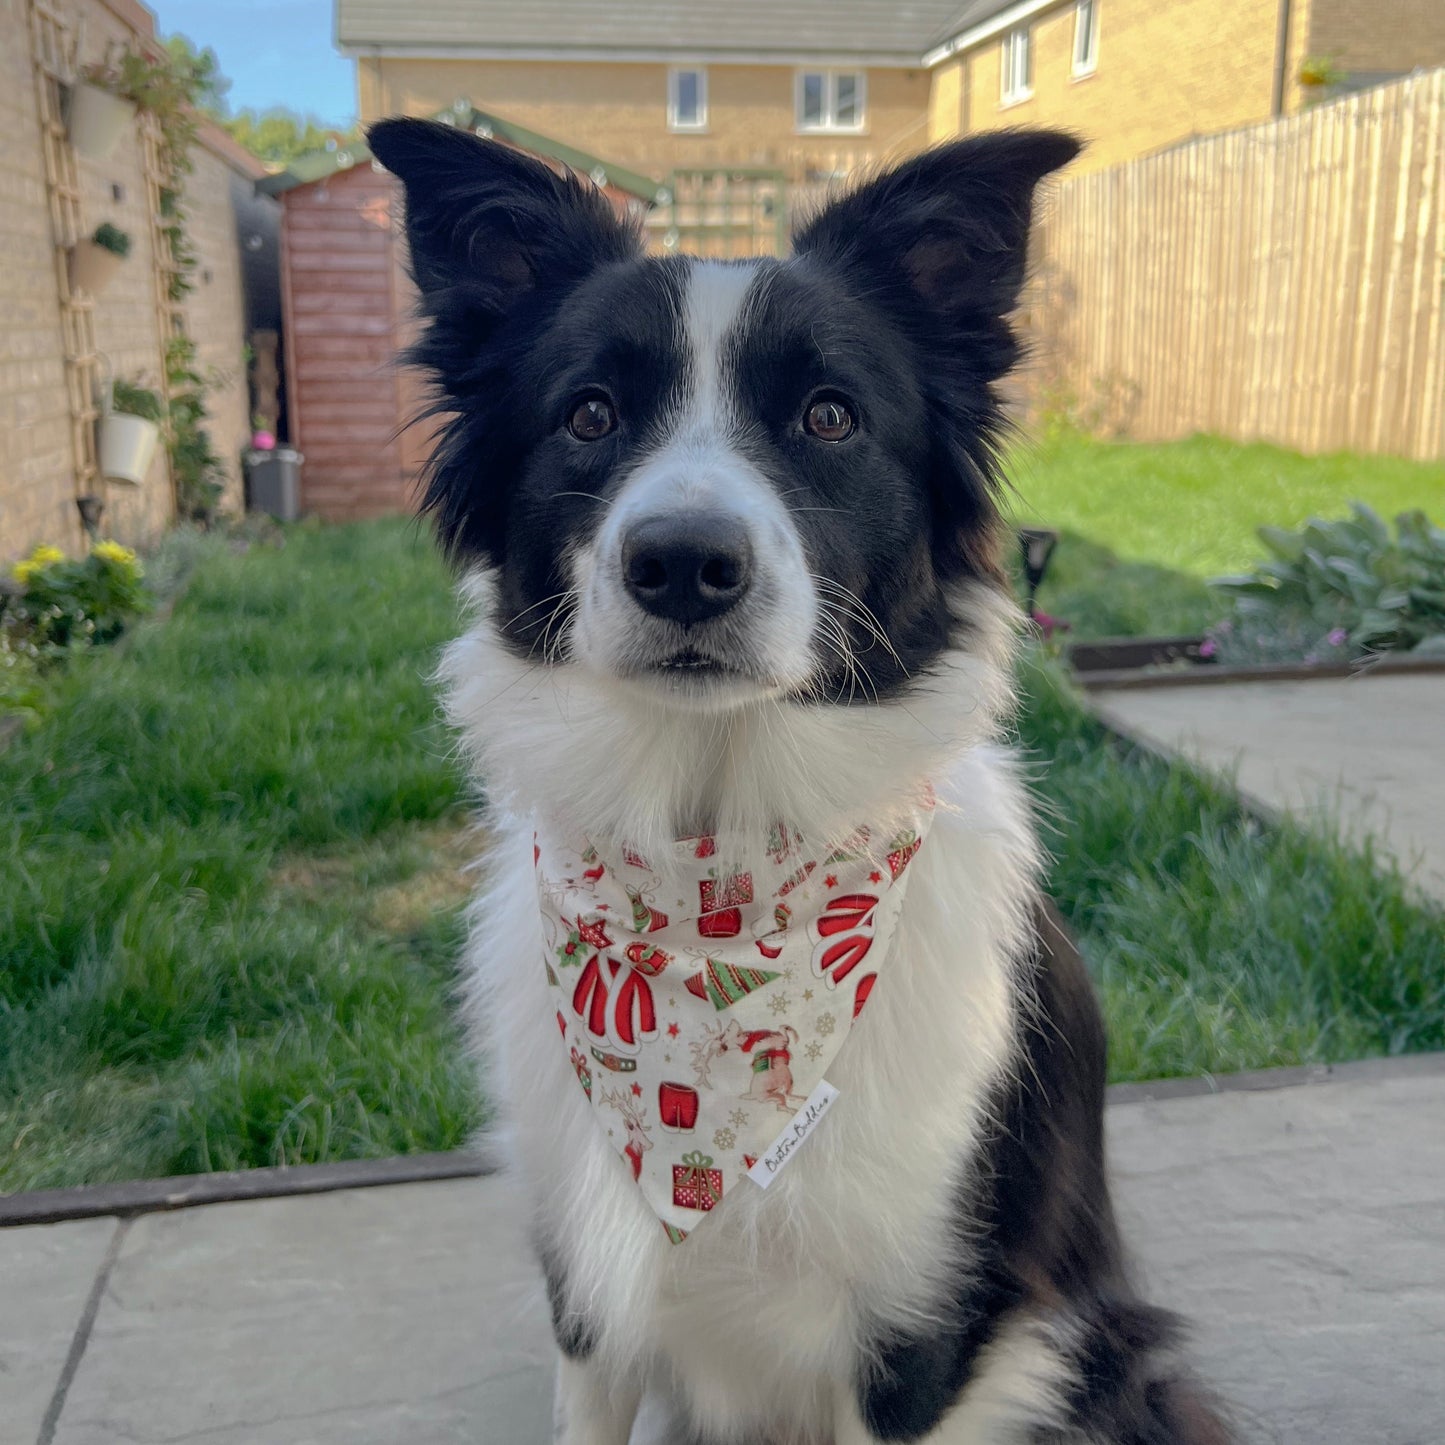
(701, 1004)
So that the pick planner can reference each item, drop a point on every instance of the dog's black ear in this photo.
(953, 222)
(487, 224)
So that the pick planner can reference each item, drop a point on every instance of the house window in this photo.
(1086, 37)
(687, 99)
(831, 100)
(1017, 66)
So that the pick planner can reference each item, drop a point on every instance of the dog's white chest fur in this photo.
(762, 1308)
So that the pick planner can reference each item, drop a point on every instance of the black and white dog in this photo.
(730, 533)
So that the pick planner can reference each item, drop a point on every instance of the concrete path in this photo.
(1302, 1228)
(1360, 754)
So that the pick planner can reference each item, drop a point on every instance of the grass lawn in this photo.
(230, 890)
(228, 880)
(1145, 525)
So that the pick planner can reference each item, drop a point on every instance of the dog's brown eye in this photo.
(829, 420)
(593, 419)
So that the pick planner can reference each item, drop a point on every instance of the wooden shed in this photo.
(348, 305)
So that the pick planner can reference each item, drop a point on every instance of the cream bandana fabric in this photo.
(701, 1005)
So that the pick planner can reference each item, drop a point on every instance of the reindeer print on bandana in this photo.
(700, 1002)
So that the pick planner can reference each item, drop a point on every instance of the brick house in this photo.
(810, 87)
(45, 386)
(815, 87)
(1136, 76)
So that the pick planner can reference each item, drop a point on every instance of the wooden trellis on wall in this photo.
(53, 62)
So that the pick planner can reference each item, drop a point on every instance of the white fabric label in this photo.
(770, 1163)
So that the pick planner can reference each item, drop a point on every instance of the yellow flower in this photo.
(42, 557)
(114, 552)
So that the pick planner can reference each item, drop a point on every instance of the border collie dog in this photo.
(741, 640)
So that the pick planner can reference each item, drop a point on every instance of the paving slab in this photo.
(403, 1315)
(46, 1276)
(1302, 1229)
(1360, 754)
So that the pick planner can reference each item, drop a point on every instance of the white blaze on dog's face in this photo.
(697, 580)
(719, 482)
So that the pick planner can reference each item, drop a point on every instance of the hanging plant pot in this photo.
(97, 119)
(127, 447)
(91, 267)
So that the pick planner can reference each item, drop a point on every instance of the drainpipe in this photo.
(1281, 58)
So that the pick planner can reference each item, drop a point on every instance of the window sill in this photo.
(1009, 102)
(1075, 76)
(689, 129)
(835, 130)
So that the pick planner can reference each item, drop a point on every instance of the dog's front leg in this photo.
(591, 1407)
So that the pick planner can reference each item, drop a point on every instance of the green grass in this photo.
(209, 957)
(1217, 944)
(1144, 525)
(230, 890)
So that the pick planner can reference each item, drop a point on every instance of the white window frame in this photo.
(829, 124)
(674, 122)
(1020, 38)
(1087, 62)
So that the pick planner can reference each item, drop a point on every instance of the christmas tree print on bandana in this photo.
(699, 1004)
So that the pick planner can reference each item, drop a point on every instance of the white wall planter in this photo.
(97, 119)
(127, 447)
(91, 267)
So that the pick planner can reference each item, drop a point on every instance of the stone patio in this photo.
(1300, 1224)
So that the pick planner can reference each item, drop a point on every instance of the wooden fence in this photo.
(1284, 282)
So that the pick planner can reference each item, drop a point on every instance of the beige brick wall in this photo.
(37, 476)
(1385, 35)
(1164, 73)
(36, 467)
(618, 112)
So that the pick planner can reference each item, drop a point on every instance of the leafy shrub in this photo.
(1346, 589)
(112, 238)
(58, 601)
(133, 399)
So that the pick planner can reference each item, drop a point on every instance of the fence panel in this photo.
(1283, 283)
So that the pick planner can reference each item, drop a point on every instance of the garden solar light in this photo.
(1038, 545)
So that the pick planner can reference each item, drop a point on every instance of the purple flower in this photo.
(1207, 648)
(1337, 636)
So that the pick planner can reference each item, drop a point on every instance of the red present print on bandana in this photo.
(634, 859)
(860, 994)
(677, 1107)
(593, 931)
(901, 852)
(647, 958)
(616, 1002)
(706, 846)
(721, 899)
(695, 1183)
(842, 935)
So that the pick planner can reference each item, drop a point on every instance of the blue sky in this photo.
(273, 53)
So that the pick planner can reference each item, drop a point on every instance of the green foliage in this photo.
(1350, 582)
(59, 601)
(196, 470)
(133, 399)
(201, 970)
(1218, 944)
(175, 87)
(279, 136)
(112, 238)
(1320, 72)
(1143, 525)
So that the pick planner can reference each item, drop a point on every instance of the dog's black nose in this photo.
(687, 568)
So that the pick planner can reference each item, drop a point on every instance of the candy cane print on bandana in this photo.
(700, 1003)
